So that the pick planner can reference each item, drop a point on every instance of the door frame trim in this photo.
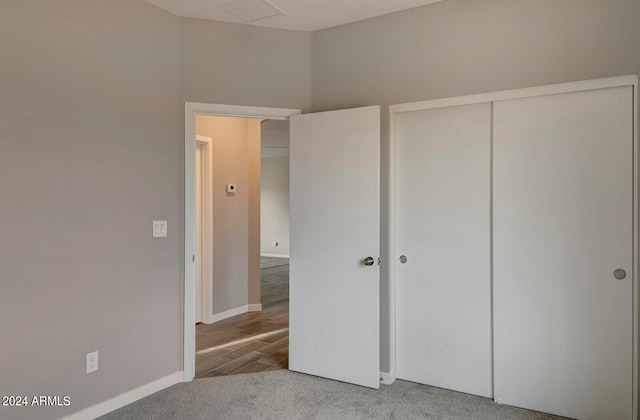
(207, 228)
(191, 110)
(601, 83)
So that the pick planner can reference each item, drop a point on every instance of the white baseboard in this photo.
(121, 400)
(387, 378)
(235, 311)
(275, 255)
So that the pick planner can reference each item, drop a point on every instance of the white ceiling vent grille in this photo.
(251, 10)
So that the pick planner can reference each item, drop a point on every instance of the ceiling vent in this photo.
(251, 10)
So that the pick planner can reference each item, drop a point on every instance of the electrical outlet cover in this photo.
(92, 362)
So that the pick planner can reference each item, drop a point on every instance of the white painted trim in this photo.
(222, 110)
(393, 252)
(603, 83)
(192, 109)
(636, 290)
(189, 327)
(387, 378)
(606, 82)
(234, 312)
(207, 227)
(230, 313)
(121, 400)
(275, 255)
(491, 305)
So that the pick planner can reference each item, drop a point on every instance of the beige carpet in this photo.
(285, 395)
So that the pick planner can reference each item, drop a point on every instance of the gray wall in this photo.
(462, 47)
(236, 230)
(227, 63)
(91, 152)
(274, 202)
(89, 157)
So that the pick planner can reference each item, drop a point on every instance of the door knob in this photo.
(368, 261)
(619, 274)
(403, 259)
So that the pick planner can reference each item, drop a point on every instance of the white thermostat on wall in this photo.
(231, 188)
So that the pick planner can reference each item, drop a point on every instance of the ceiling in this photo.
(301, 15)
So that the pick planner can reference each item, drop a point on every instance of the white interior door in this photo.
(199, 227)
(334, 199)
(563, 177)
(443, 289)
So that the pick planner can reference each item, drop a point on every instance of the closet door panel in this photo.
(443, 293)
(562, 206)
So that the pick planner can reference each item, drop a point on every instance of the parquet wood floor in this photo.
(251, 342)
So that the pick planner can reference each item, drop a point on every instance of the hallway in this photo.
(254, 341)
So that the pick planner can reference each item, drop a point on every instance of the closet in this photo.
(443, 222)
(512, 246)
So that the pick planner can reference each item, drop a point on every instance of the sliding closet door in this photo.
(443, 289)
(563, 172)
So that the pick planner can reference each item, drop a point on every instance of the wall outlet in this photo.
(275, 243)
(92, 362)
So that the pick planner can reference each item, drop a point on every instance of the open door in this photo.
(334, 266)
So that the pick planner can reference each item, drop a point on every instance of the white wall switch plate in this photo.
(159, 228)
(92, 362)
(231, 188)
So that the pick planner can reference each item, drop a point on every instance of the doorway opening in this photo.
(241, 303)
(242, 322)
